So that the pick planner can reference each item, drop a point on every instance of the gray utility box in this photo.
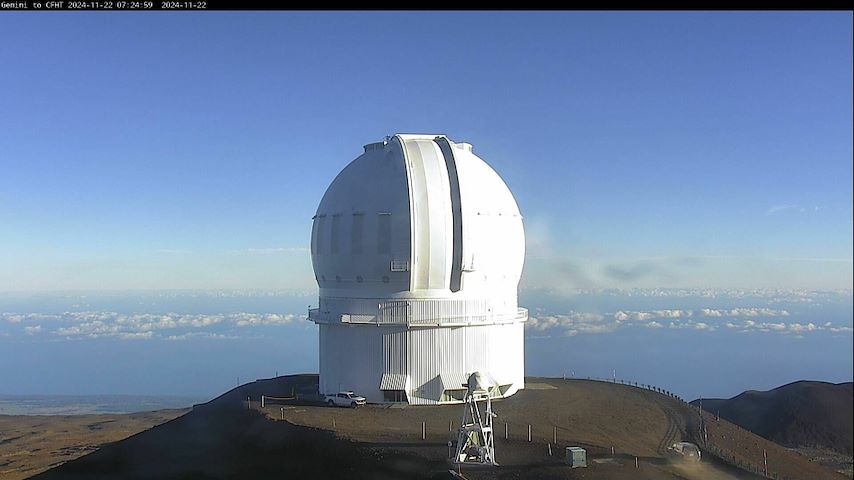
(576, 457)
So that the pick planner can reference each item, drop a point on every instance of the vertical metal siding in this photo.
(494, 349)
(395, 357)
(351, 359)
(355, 357)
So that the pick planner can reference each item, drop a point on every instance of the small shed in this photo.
(576, 457)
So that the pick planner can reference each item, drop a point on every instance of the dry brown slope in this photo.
(225, 439)
(744, 448)
(30, 444)
(598, 415)
(633, 421)
(799, 414)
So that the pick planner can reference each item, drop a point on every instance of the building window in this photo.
(455, 395)
(394, 396)
(399, 265)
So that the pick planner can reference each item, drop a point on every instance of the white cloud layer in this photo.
(742, 319)
(33, 330)
(170, 326)
(786, 312)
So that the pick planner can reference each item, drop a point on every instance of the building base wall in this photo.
(425, 362)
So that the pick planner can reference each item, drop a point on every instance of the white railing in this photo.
(401, 315)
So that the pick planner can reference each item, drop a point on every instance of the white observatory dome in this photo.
(417, 215)
(420, 237)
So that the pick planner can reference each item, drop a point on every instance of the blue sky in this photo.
(181, 150)
(685, 178)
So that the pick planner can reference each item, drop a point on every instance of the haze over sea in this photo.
(91, 404)
(711, 343)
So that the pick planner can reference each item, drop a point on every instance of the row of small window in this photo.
(328, 235)
(359, 278)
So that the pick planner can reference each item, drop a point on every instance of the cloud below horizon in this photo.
(704, 319)
(136, 326)
(791, 312)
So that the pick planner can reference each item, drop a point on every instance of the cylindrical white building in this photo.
(417, 248)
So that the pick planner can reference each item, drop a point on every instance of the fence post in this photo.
(423, 430)
(554, 435)
(529, 432)
(249, 402)
(262, 401)
(283, 413)
(505, 430)
(765, 460)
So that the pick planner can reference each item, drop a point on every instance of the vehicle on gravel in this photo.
(345, 399)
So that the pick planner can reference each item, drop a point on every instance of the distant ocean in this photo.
(90, 404)
(711, 343)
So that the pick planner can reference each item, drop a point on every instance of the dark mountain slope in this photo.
(800, 414)
(220, 439)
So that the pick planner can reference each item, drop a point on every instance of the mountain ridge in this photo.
(804, 413)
